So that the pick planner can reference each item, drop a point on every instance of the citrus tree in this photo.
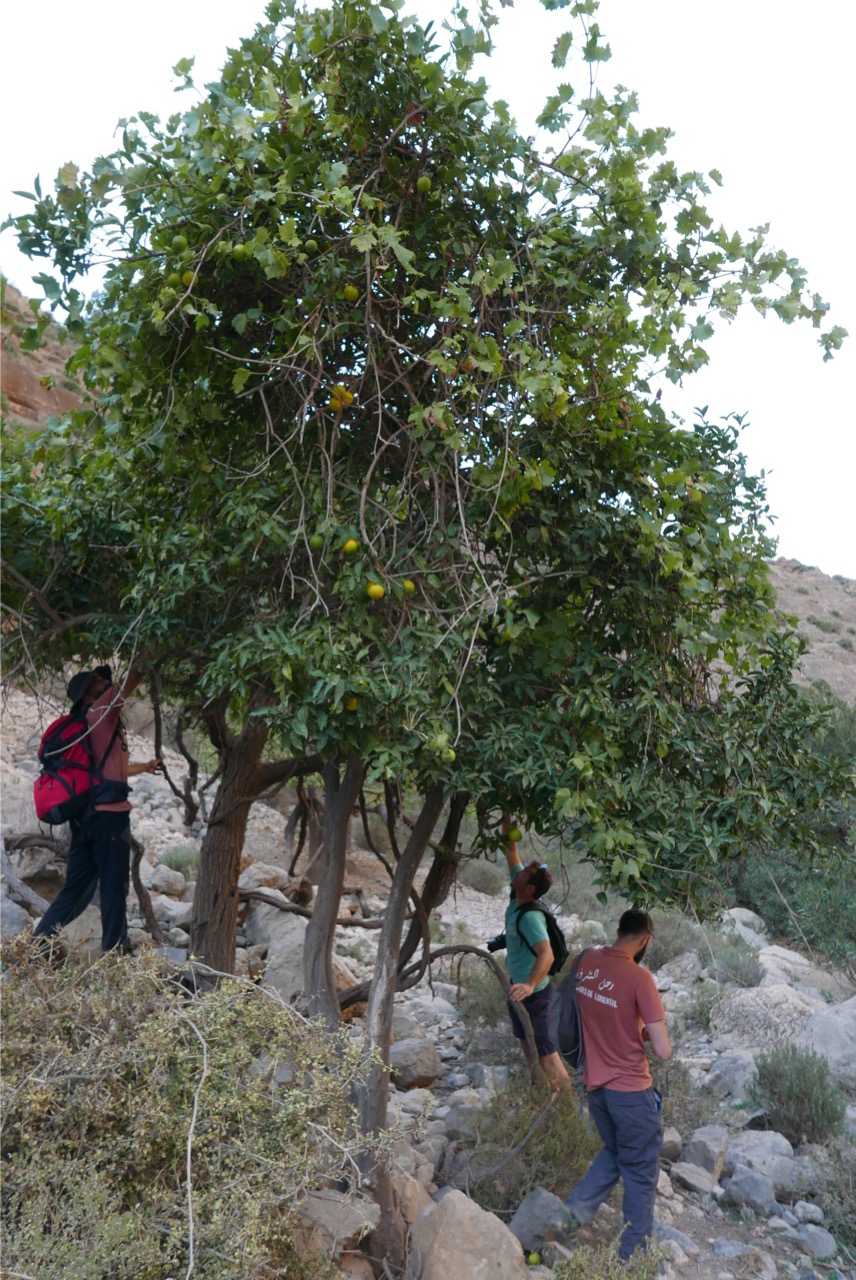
(371, 463)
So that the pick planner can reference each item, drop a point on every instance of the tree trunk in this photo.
(441, 875)
(215, 903)
(372, 1096)
(340, 796)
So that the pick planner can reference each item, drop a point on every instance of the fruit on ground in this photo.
(376, 591)
(351, 293)
(534, 1259)
(351, 547)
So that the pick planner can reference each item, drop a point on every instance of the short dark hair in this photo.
(634, 923)
(540, 877)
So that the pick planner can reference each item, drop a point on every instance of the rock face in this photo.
(453, 1239)
(762, 1017)
(831, 1031)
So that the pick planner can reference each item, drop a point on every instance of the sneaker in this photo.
(564, 1230)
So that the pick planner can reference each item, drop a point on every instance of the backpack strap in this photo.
(521, 911)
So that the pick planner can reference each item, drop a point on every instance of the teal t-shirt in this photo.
(518, 958)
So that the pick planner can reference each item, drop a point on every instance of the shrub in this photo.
(683, 1105)
(556, 1156)
(115, 1077)
(733, 960)
(485, 877)
(793, 1087)
(822, 624)
(601, 1262)
(699, 1007)
(673, 935)
(484, 1011)
(183, 858)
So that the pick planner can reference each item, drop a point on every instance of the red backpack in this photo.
(70, 780)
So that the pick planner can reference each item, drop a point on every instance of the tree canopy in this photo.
(371, 460)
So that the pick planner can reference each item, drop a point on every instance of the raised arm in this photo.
(512, 857)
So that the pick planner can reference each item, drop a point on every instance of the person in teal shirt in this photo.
(529, 973)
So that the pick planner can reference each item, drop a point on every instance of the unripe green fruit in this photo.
(316, 542)
(423, 183)
(408, 587)
(311, 246)
(179, 243)
(515, 834)
(351, 293)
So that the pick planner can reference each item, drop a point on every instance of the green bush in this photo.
(733, 960)
(601, 1262)
(703, 997)
(673, 935)
(483, 1009)
(486, 877)
(683, 1105)
(799, 1100)
(556, 1156)
(183, 858)
(114, 1077)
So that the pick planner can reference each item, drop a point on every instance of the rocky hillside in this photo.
(35, 388)
(825, 609)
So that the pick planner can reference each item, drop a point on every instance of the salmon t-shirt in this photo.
(616, 998)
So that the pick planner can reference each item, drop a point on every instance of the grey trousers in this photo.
(631, 1130)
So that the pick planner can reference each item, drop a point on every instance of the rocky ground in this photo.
(733, 1201)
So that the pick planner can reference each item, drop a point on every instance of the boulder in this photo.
(409, 1195)
(672, 1144)
(745, 1187)
(771, 1154)
(817, 1241)
(693, 1178)
(761, 1017)
(534, 1216)
(453, 1239)
(747, 925)
(414, 1064)
(805, 1212)
(781, 965)
(332, 1221)
(261, 875)
(164, 880)
(171, 910)
(13, 917)
(730, 1074)
(684, 970)
(283, 932)
(831, 1032)
(707, 1148)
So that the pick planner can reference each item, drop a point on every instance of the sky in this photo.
(759, 89)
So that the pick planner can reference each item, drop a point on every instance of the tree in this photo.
(372, 464)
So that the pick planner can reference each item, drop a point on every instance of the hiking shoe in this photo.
(564, 1230)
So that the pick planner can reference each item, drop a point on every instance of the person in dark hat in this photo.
(100, 851)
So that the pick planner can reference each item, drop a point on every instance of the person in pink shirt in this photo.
(620, 1009)
(100, 850)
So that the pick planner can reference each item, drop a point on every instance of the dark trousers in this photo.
(100, 854)
(632, 1133)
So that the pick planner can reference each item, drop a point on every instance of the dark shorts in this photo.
(537, 1006)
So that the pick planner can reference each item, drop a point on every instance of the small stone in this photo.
(806, 1212)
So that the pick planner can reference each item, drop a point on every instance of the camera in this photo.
(497, 943)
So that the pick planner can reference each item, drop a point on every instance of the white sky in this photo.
(759, 89)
